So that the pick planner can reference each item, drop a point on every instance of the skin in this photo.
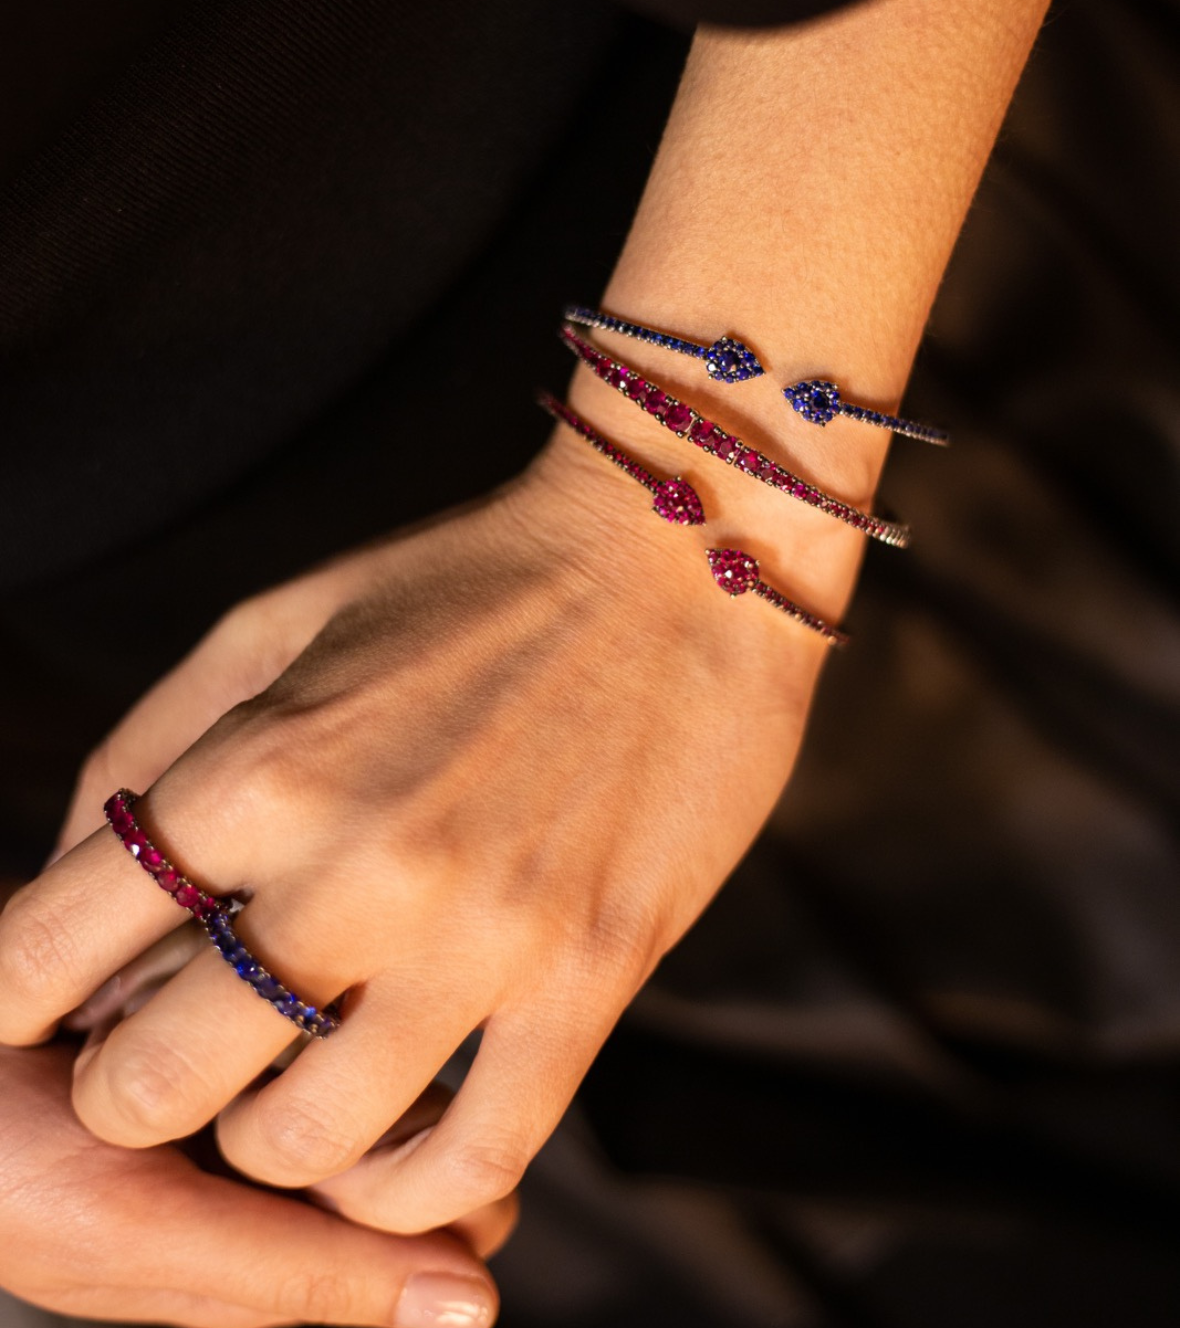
(90, 1229)
(485, 773)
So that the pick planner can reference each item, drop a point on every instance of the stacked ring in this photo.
(216, 916)
(319, 1023)
(122, 821)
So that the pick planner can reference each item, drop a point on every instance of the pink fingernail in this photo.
(440, 1300)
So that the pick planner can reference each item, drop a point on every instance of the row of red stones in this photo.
(559, 410)
(122, 820)
(684, 422)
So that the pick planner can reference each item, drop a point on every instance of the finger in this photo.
(145, 971)
(65, 933)
(240, 657)
(484, 1230)
(291, 1261)
(487, 1229)
(322, 1114)
(509, 1104)
(154, 1307)
(169, 1068)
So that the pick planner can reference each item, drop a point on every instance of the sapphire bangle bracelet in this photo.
(729, 360)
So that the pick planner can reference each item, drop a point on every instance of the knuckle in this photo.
(616, 946)
(147, 1095)
(320, 1295)
(38, 958)
(301, 1144)
(481, 1172)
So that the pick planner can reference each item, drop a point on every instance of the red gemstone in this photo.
(703, 433)
(121, 819)
(188, 895)
(734, 571)
(656, 402)
(677, 501)
(725, 446)
(167, 878)
(602, 366)
(135, 841)
(617, 377)
(637, 389)
(750, 461)
(799, 489)
(151, 858)
(677, 417)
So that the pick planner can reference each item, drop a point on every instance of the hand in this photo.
(484, 1231)
(93, 1230)
(497, 786)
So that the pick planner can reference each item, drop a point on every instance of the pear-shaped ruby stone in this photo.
(734, 571)
(678, 502)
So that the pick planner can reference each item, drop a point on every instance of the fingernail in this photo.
(441, 1300)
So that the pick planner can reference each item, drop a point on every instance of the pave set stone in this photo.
(215, 915)
(687, 423)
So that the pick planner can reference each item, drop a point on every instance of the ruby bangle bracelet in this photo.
(734, 570)
(728, 360)
(682, 420)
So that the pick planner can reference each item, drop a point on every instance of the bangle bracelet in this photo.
(733, 569)
(728, 360)
(684, 422)
(675, 500)
(736, 572)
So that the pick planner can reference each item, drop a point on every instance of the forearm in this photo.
(806, 197)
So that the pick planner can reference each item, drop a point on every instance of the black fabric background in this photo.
(918, 1065)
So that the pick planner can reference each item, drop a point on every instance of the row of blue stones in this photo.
(911, 429)
(577, 313)
(307, 1017)
(731, 361)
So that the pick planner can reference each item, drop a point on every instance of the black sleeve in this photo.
(736, 13)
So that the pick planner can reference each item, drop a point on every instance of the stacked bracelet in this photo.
(728, 360)
(735, 571)
(684, 422)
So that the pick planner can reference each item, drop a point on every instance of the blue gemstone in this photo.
(287, 1004)
(247, 968)
(268, 988)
